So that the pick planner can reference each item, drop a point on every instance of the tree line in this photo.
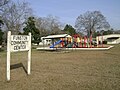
(18, 18)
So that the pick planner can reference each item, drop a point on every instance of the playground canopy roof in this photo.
(56, 36)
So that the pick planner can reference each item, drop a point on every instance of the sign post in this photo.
(29, 56)
(8, 55)
(17, 43)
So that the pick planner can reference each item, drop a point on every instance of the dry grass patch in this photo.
(74, 70)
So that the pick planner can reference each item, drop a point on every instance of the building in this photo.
(109, 39)
(49, 39)
(45, 41)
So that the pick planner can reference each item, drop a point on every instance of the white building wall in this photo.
(45, 41)
(112, 41)
(118, 41)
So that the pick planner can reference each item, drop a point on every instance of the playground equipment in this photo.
(76, 41)
(56, 44)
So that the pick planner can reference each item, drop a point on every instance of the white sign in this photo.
(18, 43)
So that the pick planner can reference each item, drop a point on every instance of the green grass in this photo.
(74, 70)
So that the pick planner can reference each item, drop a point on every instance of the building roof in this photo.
(56, 36)
(110, 35)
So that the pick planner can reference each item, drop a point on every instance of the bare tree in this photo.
(54, 24)
(14, 15)
(41, 24)
(3, 2)
(49, 25)
(91, 21)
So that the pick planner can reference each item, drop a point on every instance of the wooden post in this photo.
(29, 55)
(8, 55)
(102, 39)
(84, 41)
(98, 41)
(91, 40)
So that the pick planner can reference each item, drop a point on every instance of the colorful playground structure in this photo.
(75, 41)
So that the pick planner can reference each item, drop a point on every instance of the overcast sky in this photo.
(69, 10)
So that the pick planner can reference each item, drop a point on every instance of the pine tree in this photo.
(69, 30)
(30, 27)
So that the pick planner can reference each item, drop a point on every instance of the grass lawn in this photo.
(73, 70)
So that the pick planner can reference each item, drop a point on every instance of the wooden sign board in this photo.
(17, 43)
